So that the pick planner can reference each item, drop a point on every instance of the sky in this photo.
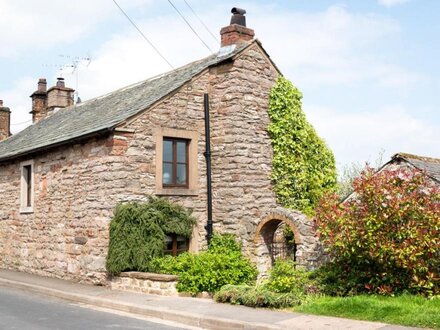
(369, 70)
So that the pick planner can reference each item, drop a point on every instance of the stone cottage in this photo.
(61, 178)
(431, 166)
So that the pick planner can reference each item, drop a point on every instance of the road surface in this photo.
(26, 311)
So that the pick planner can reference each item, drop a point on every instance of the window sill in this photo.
(177, 192)
(25, 210)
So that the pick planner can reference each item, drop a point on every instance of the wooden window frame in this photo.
(174, 251)
(192, 137)
(174, 163)
(27, 186)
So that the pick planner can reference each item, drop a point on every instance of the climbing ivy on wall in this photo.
(137, 232)
(303, 167)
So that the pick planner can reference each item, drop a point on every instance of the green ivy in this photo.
(137, 232)
(303, 166)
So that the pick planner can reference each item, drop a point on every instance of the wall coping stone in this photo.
(150, 276)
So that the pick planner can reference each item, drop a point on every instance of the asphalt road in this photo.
(23, 311)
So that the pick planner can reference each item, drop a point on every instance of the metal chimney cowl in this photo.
(238, 16)
(236, 32)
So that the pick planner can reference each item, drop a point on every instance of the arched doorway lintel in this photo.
(273, 220)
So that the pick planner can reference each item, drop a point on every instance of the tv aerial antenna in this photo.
(75, 63)
(72, 68)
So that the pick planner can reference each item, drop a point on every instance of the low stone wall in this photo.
(150, 283)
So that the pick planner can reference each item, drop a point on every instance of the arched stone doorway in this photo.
(285, 234)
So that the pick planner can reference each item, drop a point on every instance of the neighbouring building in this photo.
(61, 178)
(431, 166)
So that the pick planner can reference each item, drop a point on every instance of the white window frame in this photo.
(24, 208)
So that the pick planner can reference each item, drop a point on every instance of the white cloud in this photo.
(36, 25)
(360, 137)
(333, 47)
(390, 3)
(16, 98)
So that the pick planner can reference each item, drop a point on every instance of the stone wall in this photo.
(77, 187)
(149, 283)
(67, 234)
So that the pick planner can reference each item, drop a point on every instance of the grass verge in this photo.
(407, 310)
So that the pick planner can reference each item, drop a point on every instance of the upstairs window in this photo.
(175, 163)
(27, 187)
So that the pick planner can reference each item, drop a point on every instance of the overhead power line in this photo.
(187, 23)
(142, 34)
(204, 25)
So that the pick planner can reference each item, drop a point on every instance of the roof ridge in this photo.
(416, 157)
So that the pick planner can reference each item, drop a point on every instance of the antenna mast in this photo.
(76, 62)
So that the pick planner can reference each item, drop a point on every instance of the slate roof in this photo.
(104, 113)
(430, 165)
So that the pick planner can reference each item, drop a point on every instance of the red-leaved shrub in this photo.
(385, 237)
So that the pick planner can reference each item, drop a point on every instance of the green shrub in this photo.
(386, 238)
(223, 263)
(303, 167)
(258, 296)
(286, 277)
(137, 233)
(287, 286)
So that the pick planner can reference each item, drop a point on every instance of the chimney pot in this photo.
(60, 82)
(5, 122)
(42, 85)
(238, 16)
(236, 32)
(59, 96)
(39, 101)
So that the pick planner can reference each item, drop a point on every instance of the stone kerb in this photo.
(149, 283)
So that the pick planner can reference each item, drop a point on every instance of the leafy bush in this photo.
(303, 167)
(223, 263)
(137, 233)
(287, 286)
(286, 277)
(258, 296)
(386, 238)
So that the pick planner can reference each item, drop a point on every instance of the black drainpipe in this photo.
(207, 155)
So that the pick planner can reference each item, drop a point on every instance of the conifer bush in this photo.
(137, 233)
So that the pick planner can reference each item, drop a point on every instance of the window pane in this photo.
(181, 174)
(27, 173)
(167, 151)
(168, 243)
(167, 177)
(182, 243)
(181, 152)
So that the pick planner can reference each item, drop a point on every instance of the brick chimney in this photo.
(5, 122)
(39, 101)
(59, 96)
(236, 32)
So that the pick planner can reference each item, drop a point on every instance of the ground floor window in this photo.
(175, 245)
(27, 187)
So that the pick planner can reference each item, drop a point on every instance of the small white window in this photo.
(27, 187)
